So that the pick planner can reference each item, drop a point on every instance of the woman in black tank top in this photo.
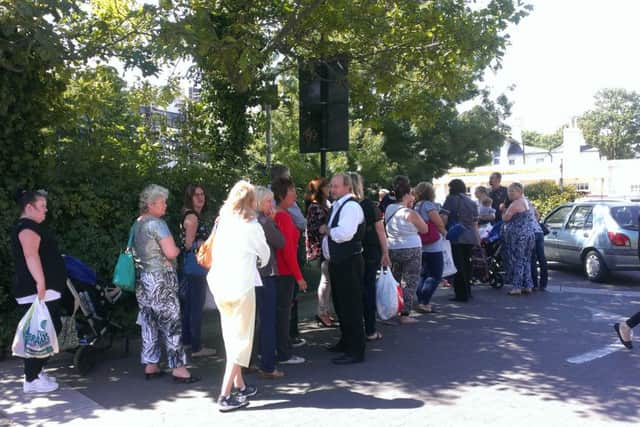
(40, 274)
(193, 232)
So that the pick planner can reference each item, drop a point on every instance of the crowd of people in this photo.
(261, 239)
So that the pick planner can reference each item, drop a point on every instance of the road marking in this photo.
(605, 315)
(600, 352)
(595, 354)
(591, 291)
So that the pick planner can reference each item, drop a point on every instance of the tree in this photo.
(401, 54)
(546, 141)
(613, 126)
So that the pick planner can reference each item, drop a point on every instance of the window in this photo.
(557, 218)
(512, 162)
(626, 216)
(582, 187)
(635, 188)
(581, 218)
(540, 160)
(496, 161)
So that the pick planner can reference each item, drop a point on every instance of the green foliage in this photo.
(31, 86)
(613, 126)
(546, 195)
(546, 141)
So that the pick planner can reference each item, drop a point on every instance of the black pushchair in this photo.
(94, 328)
(492, 246)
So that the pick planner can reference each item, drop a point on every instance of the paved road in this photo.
(547, 359)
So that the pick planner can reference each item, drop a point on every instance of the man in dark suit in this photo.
(343, 247)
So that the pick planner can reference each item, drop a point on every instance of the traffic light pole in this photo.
(323, 163)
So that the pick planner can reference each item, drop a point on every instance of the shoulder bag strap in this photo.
(131, 236)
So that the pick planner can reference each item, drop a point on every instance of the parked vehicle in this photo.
(600, 235)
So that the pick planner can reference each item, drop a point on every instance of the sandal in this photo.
(374, 337)
(152, 375)
(186, 380)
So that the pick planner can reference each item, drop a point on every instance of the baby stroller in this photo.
(492, 246)
(94, 328)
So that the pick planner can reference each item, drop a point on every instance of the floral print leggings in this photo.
(405, 266)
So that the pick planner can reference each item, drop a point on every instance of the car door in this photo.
(555, 222)
(572, 238)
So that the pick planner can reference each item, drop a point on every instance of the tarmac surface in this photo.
(550, 359)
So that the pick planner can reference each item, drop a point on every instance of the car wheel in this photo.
(594, 267)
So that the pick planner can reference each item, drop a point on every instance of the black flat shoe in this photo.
(152, 375)
(627, 344)
(347, 360)
(186, 380)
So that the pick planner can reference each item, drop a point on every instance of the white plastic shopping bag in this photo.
(386, 295)
(35, 337)
(449, 268)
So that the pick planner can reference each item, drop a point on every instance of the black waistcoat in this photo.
(340, 252)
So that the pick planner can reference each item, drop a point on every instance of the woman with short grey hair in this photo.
(155, 253)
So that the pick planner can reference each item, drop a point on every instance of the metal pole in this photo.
(268, 150)
(323, 163)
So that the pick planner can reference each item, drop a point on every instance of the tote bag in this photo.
(449, 268)
(124, 274)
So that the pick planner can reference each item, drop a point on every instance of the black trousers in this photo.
(347, 280)
(462, 259)
(284, 298)
(33, 366)
(634, 320)
(371, 267)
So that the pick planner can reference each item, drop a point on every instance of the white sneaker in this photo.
(293, 360)
(39, 386)
(44, 377)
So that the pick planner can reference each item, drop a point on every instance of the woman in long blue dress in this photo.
(519, 235)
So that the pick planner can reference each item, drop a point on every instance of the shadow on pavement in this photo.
(495, 343)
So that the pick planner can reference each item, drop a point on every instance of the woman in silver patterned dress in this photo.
(155, 253)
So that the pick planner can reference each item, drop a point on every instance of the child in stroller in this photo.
(487, 260)
(92, 331)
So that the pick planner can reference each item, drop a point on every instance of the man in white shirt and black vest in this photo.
(343, 247)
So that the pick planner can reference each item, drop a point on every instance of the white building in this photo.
(573, 163)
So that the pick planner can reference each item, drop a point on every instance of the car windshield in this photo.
(626, 216)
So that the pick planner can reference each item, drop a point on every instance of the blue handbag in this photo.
(124, 275)
(191, 266)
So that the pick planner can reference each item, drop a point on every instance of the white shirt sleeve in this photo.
(260, 245)
(351, 216)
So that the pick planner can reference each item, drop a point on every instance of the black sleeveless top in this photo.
(202, 232)
(55, 273)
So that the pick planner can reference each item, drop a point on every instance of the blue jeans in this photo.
(266, 305)
(430, 276)
(538, 257)
(192, 306)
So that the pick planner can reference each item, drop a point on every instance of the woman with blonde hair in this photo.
(239, 247)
